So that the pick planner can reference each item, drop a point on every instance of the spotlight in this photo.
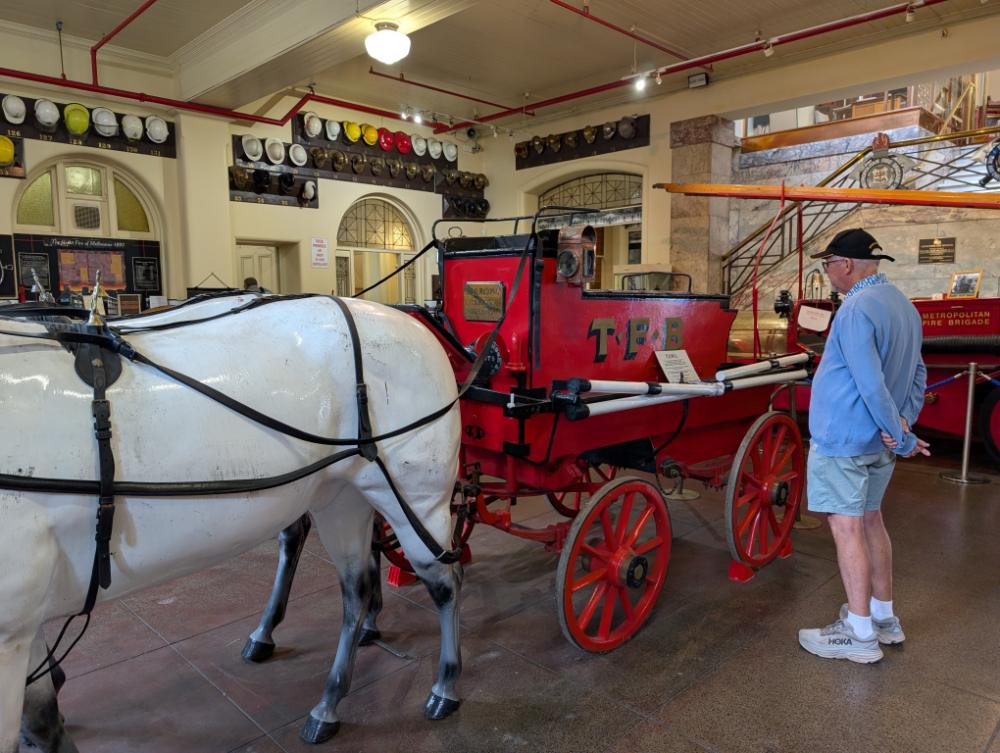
(768, 49)
(404, 113)
(494, 133)
(640, 83)
(911, 13)
(417, 118)
(658, 79)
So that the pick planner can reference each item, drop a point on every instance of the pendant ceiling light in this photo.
(387, 45)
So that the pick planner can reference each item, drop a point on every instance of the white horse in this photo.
(289, 359)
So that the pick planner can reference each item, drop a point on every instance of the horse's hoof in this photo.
(314, 731)
(257, 651)
(438, 708)
(368, 637)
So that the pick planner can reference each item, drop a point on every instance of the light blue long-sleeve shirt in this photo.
(870, 375)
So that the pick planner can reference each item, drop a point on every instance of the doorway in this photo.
(260, 262)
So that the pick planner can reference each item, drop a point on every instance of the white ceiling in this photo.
(490, 49)
(499, 49)
(163, 29)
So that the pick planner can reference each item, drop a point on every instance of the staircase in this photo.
(947, 162)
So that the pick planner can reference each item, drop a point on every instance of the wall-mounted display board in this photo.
(12, 163)
(359, 163)
(631, 132)
(61, 262)
(283, 189)
(936, 251)
(164, 145)
(8, 277)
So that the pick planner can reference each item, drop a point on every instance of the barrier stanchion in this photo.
(965, 477)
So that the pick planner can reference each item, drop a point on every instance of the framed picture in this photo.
(965, 284)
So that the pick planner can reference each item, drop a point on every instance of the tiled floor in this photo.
(717, 667)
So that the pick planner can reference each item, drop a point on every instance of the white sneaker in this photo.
(839, 641)
(889, 632)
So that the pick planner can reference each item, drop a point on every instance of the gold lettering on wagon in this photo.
(483, 301)
(636, 334)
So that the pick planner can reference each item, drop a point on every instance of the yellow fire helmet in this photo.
(77, 119)
(352, 130)
(6, 151)
(371, 134)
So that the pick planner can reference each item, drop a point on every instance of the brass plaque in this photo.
(483, 301)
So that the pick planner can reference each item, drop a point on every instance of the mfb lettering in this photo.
(635, 333)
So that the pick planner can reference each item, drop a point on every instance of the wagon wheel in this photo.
(394, 552)
(613, 565)
(989, 424)
(767, 476)
(569, 503)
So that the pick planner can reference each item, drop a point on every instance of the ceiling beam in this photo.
(273, 44)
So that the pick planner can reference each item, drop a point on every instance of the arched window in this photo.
(79, 198)
(373, 240)
(601, 191)
(374, 223)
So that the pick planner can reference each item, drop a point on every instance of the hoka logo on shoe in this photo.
(840, 642)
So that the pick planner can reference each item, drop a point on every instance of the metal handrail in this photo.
(728, 257)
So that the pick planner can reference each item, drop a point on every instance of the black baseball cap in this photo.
(852, 244)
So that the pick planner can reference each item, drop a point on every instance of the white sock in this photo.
(881, 610)
(862, 626)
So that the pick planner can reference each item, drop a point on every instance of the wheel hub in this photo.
(633, 570)
(780, 493)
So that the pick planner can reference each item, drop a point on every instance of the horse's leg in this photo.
(41, 722)
(345, 528)
(291, 541)
(444, 584)
(370, 632)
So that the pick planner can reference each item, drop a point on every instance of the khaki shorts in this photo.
(848, 486)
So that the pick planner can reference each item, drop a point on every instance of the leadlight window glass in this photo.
(35, 207)
(601, 191)
(373, 223)
(83, 180)
(131, 216)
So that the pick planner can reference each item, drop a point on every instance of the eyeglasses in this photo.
(826, 264)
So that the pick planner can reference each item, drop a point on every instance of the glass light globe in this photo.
(387, 45)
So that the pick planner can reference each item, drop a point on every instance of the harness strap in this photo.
(101, 410)
(369, 450)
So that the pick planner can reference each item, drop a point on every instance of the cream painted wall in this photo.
(201, 227)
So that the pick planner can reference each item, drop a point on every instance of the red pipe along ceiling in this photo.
(411, 82)
(708, 59)
(108, 37)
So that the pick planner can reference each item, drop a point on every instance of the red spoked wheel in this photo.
(568, 503)
(765, 482)
(989, 424)
(394, 552)
(613, 565)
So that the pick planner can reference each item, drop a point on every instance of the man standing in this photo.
(868, 391)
